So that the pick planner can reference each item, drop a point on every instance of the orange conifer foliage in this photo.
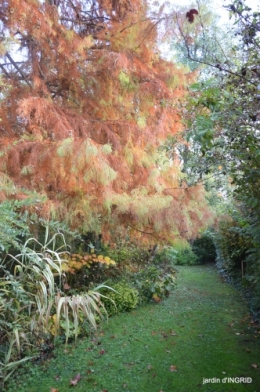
(86, 103)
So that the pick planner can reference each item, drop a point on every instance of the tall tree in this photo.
(224, 125)
(86, 103)
(223, 140)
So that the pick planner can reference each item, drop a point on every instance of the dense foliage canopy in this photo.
(86, 101)
(223, 137)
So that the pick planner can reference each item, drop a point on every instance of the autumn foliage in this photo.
(86, 103)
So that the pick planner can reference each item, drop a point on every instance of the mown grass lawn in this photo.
(202, 331)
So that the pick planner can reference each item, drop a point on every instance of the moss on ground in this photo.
(202, 331)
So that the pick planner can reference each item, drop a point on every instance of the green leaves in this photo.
(224, 140)
(204, 131)
(123, 298)
(13, 225)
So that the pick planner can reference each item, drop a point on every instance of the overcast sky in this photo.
(217, 5)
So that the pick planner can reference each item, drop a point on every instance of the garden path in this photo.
(202, 338)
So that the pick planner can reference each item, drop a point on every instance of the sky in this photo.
(216, 4)
(217, 7)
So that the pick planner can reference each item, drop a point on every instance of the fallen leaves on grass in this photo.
(173, 368)
(164, 335)
(75, 380)
(54, 390)
(254, 365)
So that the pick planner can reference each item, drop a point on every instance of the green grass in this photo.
(203, 331)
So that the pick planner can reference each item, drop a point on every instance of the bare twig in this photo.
(18, 69)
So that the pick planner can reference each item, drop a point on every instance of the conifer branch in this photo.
(4, 70)
(18, 69)
(141, 231)
(88, 130)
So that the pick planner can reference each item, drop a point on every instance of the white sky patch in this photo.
(217, 7)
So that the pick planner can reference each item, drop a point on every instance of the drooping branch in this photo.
(87, 133)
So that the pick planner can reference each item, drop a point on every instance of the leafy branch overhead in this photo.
(87, 100)
(222, 146)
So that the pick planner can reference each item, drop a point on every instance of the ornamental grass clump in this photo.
(33, 305)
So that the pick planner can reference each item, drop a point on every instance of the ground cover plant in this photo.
(202, 331)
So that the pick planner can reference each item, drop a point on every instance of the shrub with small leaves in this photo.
(82, 270)
(186, 257)
(204, 248)
(165, 256)
(153, 283)
(75, 262)
(123, 299)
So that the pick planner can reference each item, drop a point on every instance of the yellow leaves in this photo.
(107, 149)
(2, 49)
(129, 156)
(84, 44)
(109, 261)
(106, 260)
(65, 148)
(64, 267)
(76, 264)
(52, 325)
(141, 122)
(107, 174)
(172, 81)
(156, 298)
(154, 174)
(91, 150)
(76, 261)
(61, 48)
(124, 79)
(69, 35)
